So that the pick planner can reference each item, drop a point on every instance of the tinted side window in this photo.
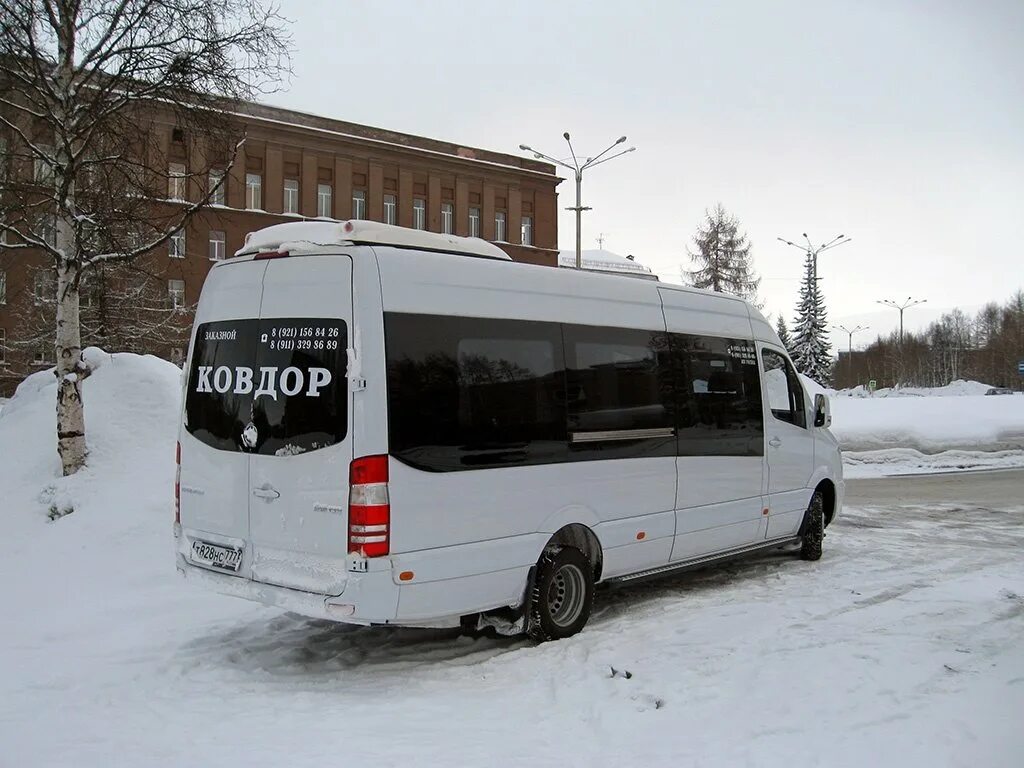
(718, 396)
(473, 393)
(785, 395)
(619, 393)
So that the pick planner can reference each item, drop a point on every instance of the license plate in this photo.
(215, 556)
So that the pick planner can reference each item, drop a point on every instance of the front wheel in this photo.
(563, 594)
(814, 528)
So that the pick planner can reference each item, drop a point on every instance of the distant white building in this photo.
(606, 261)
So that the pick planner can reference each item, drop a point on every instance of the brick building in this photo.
(292, 166)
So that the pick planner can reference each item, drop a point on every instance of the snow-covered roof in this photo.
(605, 261)
(297, 235)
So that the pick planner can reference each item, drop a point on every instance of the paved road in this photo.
(993, 489)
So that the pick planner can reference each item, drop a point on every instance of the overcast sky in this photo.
(899, 123)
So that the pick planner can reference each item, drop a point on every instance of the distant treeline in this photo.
(986, 347)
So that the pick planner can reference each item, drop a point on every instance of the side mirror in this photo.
(822, 412)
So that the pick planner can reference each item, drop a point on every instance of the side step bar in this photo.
(684, 565)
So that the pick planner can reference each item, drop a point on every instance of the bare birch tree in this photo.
(81, 84)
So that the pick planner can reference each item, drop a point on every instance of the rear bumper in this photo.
(430, 588)
(368, 598)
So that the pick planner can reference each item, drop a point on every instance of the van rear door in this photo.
(300, 426)
(214, 479)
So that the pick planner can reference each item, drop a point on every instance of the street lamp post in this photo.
(907, 304)
(849, 348)
(578, 168)
(813, 252)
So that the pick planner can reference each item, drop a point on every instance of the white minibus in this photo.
(387, 426)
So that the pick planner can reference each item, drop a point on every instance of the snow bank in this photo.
(929, 424)
(907, 461)
(131, 416)
(958, 388)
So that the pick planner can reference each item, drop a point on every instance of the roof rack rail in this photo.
(293, 236)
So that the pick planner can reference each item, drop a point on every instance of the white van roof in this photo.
(302, 235)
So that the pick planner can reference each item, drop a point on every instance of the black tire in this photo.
(562, 596)
(813, 528)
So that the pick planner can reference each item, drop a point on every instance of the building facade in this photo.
(294, 166)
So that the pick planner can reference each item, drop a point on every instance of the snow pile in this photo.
(958, 388)
(929, 424)
(131, 416)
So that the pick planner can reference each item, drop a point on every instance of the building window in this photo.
(447, 215)
(85, 292)
(44, 288)
(3, 346)
(291, 195)
(527, 231)
(176, 293)
(218, 245)
(419, 213)
(216, 187)
(42, 167)
(390, 209)
(39, 358)
(358, 204)
(176, 245)
(499, 226)
(323, 200)
(254, 192)
(3, 287)
(176, 181)
(474, 222)
(48, 232)
(177, 355)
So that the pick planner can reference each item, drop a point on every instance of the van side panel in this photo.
(616, 498)
(719, 498)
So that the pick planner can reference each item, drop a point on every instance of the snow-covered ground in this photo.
(901, 647)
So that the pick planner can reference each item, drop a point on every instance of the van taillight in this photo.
(177, 483)
(270, 255)
(369, 508)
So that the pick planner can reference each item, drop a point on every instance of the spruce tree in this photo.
(810, 349)
(722, 257)
(783, 332)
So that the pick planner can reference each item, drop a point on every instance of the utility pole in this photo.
(578, 168)
(849, 348)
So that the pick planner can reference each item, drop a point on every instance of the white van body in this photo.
(506, 408)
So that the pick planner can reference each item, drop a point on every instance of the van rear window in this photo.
(275, 386)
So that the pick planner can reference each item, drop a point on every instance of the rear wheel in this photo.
(814, 528)
(563, 594)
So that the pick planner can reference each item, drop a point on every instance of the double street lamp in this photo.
(902, 307)
(813, 252)
(578, 168)
(849, 348)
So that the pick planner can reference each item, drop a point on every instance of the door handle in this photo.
(775, 442)
(266, 493)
